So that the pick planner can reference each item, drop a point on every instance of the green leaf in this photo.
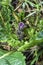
(6, 2)
(15, 58)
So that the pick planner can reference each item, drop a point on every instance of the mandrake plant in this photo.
(21, 30)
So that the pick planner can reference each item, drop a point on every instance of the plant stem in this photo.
(30, 44)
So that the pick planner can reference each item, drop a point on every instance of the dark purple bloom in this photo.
(21, 25)
(20, 31)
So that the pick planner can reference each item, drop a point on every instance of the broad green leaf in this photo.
(15, 58)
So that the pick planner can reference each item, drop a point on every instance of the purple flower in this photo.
(20, 31)
(21, 25)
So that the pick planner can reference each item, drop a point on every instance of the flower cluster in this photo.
(20, 32)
